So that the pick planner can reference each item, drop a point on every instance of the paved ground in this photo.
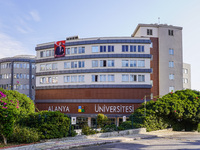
(153, 140)
(164, 140)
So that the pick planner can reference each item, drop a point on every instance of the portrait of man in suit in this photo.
(59, 49)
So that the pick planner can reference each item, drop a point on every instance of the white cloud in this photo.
(10, 47)
(35, 15)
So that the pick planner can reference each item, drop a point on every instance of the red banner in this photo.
(59, 49)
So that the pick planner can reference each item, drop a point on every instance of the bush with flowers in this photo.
(20, 123)
(12, 105)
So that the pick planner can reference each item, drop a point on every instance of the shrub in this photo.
(125, 125)
(24, 135)
(198, 129)
(50, 124)
(72, 132)
(181, 110)
(102, 120)
(109, 128)
(86, 130)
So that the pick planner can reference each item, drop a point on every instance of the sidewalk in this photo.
(78, 141)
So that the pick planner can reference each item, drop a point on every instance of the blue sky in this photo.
(26, 23)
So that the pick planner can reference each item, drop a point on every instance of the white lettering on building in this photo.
(114, 109)
(59, 108)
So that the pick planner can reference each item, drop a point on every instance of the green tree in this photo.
(180, 110)
(12, 105)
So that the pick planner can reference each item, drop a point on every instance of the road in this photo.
(164, 141)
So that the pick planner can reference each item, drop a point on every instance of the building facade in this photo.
(186, 76)
(85, 77)
(96, 75)
(167, 40)
(18, 73)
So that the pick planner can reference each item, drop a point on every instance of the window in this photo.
(102, 78)
(171, 76)
(125, 63)
(151, 45)
(95, 49)
(52, 52)
(27, 86)
(140, 48)
(27, 66)
(94, 63)
(48, 66)
(67, 79)
(132, 48)
(171, 32)
(24, 76)
(42, 54)
(171, 64)
(185, 71)
(42, 67)
(42, 80)
(94, 78)
(48, 80)
(81, 78)
(124, 48)
(133, 63)
(125, 77)
(141, 63)
(111, 63)
(185, 80)
(67, 65)
(102, 48)
(141, 78)
(111, 78)
(54, 80)
(171, 89)
(27, 76)
(24, 65)
(33, 66)
(33, 76)
(110, 48)
(171, 51)
(48, 53)
(67, 51)
(81, 50)
(133, 78)
(74, 64)
(73, 78)
(149, 32)
(103, 63)
(74, 50)
(81, 64)
(17, 65)
(54, 66)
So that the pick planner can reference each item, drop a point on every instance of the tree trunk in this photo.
(4, 139)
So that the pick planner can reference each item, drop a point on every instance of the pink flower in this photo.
(5, 107)
(5, 103)
(17, 82)
(174, 110)
(17, 107)
(5, 115)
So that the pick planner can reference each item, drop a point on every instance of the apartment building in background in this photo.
(18, 73)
